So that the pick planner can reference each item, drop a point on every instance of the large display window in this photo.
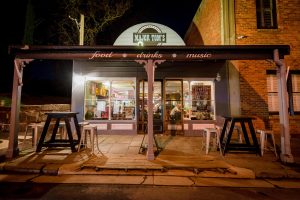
(199, 100)
(109, 99)
(157, 106)
(192, 99)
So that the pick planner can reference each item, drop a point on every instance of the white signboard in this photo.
(149, 34)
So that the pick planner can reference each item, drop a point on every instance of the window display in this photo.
(96, 99)
(114, 99)
(123, 100)
(187, 99)
(110, 99)
(202, 100)
(198, 99)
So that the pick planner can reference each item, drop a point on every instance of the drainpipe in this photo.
(13, 149)
(150, 66)
(286, 155)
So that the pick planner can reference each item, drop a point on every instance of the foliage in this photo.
(59, 28)
(5, 101)
(29, 24)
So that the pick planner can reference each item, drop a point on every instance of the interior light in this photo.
(218, 77)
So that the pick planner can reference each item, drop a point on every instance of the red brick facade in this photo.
(205, 28)
(253, 79)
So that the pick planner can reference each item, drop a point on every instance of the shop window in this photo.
(123, 100)
(199, 102)
(108, 99)
(266, 14)
(96, 100)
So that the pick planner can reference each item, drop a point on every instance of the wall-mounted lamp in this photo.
(218, 77)
(241, 37)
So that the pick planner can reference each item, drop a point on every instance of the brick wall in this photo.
(253, 73)
(288, 32)
(206, 26)
(294, 124)
(253, 90)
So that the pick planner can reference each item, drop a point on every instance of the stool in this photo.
(92, 130)
(264, 134)
(211, 128)
(82, 124)
(35, 129)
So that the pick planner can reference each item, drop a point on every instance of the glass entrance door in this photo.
(157, 107)
(173, 118)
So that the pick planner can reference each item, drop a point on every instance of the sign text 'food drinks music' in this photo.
(155, 55)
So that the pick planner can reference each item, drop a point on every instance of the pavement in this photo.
(182, 162)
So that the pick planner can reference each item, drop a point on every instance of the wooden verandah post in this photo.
(13, 149)
(150, 66)
(285, 137)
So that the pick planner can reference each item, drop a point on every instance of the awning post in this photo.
(13, 149)
(150, 66)
(286, 155)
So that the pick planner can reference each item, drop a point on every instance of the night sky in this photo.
(39, 78)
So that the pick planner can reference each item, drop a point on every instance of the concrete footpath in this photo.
(182, 162)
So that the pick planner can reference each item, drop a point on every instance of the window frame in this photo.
(110, 99)
(188, 100)
(291, 93)
(289, 90)
(271, 72)
(261, 17)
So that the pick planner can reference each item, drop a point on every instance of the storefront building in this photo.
(116, 93)
(222, 75)
(111, 90)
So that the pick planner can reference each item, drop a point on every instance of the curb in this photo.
(77, 169)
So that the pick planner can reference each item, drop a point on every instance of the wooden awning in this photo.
(150, 57)
(171, 53)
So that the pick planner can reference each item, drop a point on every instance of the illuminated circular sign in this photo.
(149, 34)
